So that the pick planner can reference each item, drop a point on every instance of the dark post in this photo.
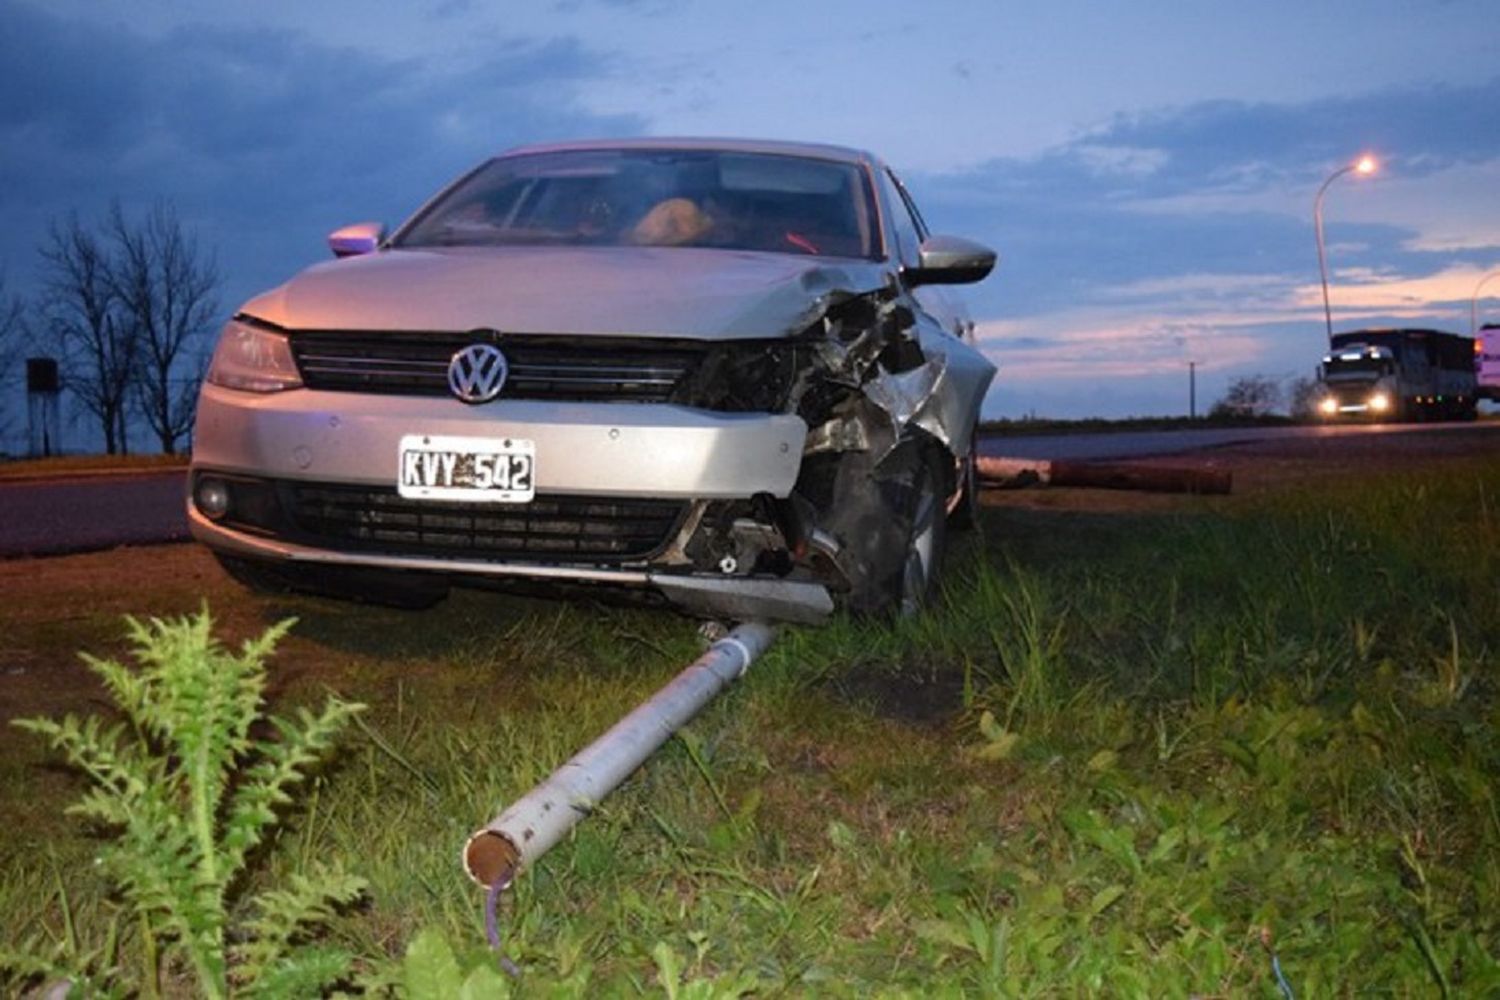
(42, 388)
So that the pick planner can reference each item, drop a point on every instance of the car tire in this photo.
(346, 583)
(965, 513)
(891, 520)
(927, 547)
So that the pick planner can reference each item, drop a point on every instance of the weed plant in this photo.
(1176, 754)
(188, 793)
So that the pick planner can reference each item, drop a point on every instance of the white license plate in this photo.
(446, 467)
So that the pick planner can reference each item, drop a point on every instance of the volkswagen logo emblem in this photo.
(477, 373)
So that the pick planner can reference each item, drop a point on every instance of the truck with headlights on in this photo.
(1404, 374)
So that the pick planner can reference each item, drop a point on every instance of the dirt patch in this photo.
(85, 466)
(55, 607)
(931, 700)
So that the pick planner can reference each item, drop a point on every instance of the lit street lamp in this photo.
(1364, 166)
(1474, 303)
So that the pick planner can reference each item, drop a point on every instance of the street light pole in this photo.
(1474, 302)
(1364, 166)
(1192, 390)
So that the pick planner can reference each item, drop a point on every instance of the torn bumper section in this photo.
(881, 394)
(910, 369)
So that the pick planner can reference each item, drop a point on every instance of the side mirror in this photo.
(360, 238)
(950, 260)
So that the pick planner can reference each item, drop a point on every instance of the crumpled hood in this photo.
(642, 291)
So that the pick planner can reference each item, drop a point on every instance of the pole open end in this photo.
(489, 856)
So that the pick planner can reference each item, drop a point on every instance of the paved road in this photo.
(55, 516)
(1138, 444)
(80, 514)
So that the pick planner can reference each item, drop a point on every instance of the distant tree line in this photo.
(126, 305)
(1265, 395)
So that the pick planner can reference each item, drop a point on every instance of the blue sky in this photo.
(1145, 169)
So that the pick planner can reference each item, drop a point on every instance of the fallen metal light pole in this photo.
(1016, 472)
(534, 823)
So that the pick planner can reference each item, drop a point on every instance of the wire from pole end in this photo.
(492, 920)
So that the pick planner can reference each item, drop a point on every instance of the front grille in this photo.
(548, 529)
(541, 367)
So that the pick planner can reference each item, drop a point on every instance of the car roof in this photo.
(822, 151)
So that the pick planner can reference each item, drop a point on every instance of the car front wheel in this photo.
(927, 544)
(963, 512)
(891, 519)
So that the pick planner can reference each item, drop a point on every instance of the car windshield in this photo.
(1357, 367)
(699, 198)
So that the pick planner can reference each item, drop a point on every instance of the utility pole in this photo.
(1364, 167)
(1192, 390)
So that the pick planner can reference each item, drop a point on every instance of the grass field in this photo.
(1135, 753)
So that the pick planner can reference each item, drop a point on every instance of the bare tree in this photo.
(1302, 396)
(1249, 396)
(99, 346)
(165, 289)
(12, 329)
(12, 336)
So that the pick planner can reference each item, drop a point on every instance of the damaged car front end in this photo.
(725, 373)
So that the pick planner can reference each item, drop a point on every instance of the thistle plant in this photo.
(191, 793)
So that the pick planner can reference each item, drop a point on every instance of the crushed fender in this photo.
(890, 400)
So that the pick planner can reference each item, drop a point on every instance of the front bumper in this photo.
(605, 450)
(738, 598)
(1356, 407)
(582, 449)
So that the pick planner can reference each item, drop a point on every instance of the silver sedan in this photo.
(728, 374)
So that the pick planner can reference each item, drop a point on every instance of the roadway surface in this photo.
(1144, 444)
(85, 513)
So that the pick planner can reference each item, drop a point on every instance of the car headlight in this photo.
(1380, 402)
(1328, 405)
(253, 359)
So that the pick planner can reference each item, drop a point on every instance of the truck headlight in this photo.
(253, 359)
(1328, 406)
(1380, 402)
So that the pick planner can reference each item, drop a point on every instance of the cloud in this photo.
(1363, 292)
(264, 139)
(1117, 363)
(1220, 148)
(1233, 145)
(1196, 222)
(1094, 343)
(644, 8)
